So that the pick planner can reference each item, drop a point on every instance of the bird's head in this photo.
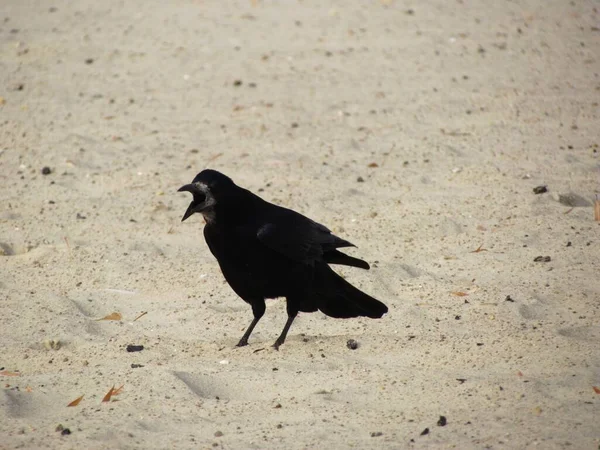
(208, 188)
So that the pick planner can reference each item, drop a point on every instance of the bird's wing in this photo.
(299, 238)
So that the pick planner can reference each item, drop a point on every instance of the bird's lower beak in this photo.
(189, 211)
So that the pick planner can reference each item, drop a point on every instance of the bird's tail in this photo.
(338, 298)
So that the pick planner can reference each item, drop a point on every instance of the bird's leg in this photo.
(292, 313)
(258, 309)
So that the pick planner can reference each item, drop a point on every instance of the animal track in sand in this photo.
(236, 386)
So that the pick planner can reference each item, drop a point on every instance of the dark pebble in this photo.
(295, 125)
(569, 244)
(89, 61)
(425, 432)
(508, 299)
(136, 366)
(442, 422)
(65, 432)
(46, 170)
(360, 180)
(237, 83)
(542, 259)
(135, 348)
(376, 434)
(540, 189)
(352, 344)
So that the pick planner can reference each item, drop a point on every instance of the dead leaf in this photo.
(214, 157)
(596, 389)
(480, 249)
(28, 388)
(108, 395)
(141, 315)
(8, 373)
(111, 393)
(597, 210)
(373, 165)
(113, 316)
(459, 294)
(76, 401)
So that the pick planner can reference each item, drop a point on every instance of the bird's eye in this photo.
(199, 197)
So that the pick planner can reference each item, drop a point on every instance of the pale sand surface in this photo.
(450, 111)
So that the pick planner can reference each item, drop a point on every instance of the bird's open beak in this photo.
(191, 209)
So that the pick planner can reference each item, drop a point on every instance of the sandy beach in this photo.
(416, 130)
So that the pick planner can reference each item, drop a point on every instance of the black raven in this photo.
(266, 251)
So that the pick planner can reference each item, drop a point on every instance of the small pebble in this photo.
(542, 259)
(540, 189)
(352, 344)
(135, 348)
(425, 432)
(442, 421)
(376, 434)
(46, 170)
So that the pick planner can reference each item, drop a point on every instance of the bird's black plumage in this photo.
(267, 251)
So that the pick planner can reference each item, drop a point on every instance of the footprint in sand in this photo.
(210, 387)
(584, 333)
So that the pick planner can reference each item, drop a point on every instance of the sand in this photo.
(416, 130)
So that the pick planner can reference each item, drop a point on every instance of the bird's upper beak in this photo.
(195, 203)
(188, 188)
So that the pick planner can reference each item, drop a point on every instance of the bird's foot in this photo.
(277, 344)
(243, 342)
